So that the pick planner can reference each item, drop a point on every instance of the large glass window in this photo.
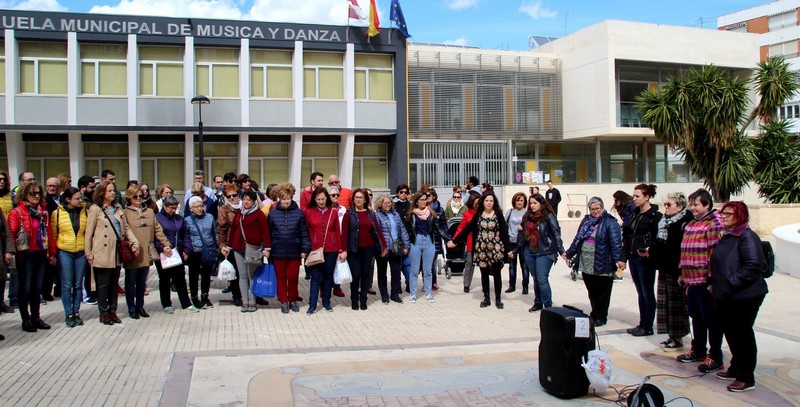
(374, 77)
(786, 49)
(107, 156)
(220, 157)
(560, 162)
(323, 75)
(47, 159)
(269, 163)
(103, 69)
(622, 162)
(783, 20)
(369, 165)
(322, 157)
(160, 71)
(270, 74)
(217, 72)
(43, 68)
(162, 163)
(665, 165)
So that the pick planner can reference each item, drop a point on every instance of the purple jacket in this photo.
(174, 230)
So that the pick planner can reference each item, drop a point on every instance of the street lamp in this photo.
(200, 100)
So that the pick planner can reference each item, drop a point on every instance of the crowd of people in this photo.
(689, 263)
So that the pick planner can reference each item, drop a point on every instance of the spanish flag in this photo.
(374, 22)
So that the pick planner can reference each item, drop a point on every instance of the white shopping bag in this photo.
(342, 274)
(598, 369)
(226, 271)
(171, 261)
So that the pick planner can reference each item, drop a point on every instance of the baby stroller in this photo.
(455, 257)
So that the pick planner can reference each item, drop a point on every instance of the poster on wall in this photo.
(537, 177)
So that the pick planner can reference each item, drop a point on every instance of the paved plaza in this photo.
(450, 353)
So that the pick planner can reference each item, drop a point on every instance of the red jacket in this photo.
(464, 222)
(19, 216)
(315, 220)
(305, 198)
(256, 230)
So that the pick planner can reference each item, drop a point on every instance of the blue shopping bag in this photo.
(265, 284)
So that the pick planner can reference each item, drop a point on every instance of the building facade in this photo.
(86, 92)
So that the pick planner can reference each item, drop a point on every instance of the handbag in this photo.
(124, 250)
(265, 282)
(252, 253)
(317, 256)
(21, 239)
(209, 254)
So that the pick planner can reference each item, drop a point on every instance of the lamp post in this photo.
(200, 100)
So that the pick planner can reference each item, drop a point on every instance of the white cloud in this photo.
(307, 11)
(536, 10)
(39, 5)
(461, 4)
(223, 9)
(461, 41)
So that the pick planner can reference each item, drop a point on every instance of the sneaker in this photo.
(673, 344)
(536, 307)
(252, 308)
(78, 320)
(91, 301)
(192, 308)
(285, 308)
(169, 310)
(293, 307)
(328, 308)
(226, 290)
(413, 299)
(436, 287)
(338, 292)
(710, 365)
(690, 357)
(69, 321)
(738, 387)
(618, 279)
(245, 308)
(726, 375)
(430, 299)
(311, 310)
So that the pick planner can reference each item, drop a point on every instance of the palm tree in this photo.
(778, 168)
(702, 114)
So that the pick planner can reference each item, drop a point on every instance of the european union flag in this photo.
(396, 15)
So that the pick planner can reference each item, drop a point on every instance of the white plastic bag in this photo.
(598, 369)
(226, 271)
(342, 274)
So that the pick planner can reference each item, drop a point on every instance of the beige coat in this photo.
(146, 229)
(101, 241)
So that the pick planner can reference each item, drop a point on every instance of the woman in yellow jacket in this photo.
(5, 206)
(69, 229)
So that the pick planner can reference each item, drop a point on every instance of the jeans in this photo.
(392, 263)
(30, 271)
(71, 267)
(539, 266)
(322, 278)
(135, 281)
(512, 271)
(422, 252)
(360, 263)
(173, 275)
(644, 279)
(246, 274)
(705, 323)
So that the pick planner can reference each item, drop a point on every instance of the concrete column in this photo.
(12, 86)
(133, 78)
(16, 156)
(73, 77)
(76, 159)
(244, 155)
(346, 149)
(189, 84)
(134, 163)
(350, 85)
(244, 83)
(297, 84)
(188, 162)
(296, 162)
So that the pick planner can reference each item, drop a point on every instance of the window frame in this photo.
(155, 64)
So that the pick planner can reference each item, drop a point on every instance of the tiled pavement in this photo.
(450, 353)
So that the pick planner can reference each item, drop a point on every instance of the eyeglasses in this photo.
(231, 196)
(334, 183)
(173, 207)
(669, 205)
(403, 192)
(51, 186)
(726, 214)
(29, 180)
(334, 195)
(137, 197)
(456, 196)
(34, 193)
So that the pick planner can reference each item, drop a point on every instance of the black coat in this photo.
(641, 232)
(667, 253)
(288, 232)
(549, 236)
(736, 265)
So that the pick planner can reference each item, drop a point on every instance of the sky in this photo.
(488, 24)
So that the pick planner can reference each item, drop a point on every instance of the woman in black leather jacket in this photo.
(739, 288)
(637, 239)
(540, 243)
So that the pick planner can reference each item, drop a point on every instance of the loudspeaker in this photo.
(567, 337)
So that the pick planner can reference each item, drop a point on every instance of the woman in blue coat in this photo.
(290, 244)
(597, 248)
(396, 237)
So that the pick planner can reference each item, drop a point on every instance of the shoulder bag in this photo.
(21, 239)
(252, 253)
(317, 256)
(124, 250)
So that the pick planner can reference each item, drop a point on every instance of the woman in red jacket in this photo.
(30, 213)
(323, 231)
(249, 228)
(472, 204)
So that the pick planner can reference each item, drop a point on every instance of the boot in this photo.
(206, 302)
(524, 290)
(486, 301)
(511, 289)
(498, 303)
(197, 303)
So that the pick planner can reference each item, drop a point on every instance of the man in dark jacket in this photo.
(553, 197)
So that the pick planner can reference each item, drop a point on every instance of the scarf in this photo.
(422, 213)
(455, 206)
(41, 216)
(237, 206)
(587, 227)
(532, 221)
(246, 211)
(664, 223)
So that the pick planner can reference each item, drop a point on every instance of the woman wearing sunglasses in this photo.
(142, 221)
(225, 218)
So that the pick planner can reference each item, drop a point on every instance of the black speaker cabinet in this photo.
(567, 337)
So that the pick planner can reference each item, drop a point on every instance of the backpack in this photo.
(768, 267)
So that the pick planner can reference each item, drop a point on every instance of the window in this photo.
(3, 71)
(270, 74)
(47, 159)
(43, 68)
(103, 69)
(269, 163)
(665, 165)
(162, 163)
(562, 162)
(622, 162)
(785, 49)
(783, 20)
(108, 155)
(374, 77)
(217, 72)
(323, 75)
(220, 157)
(319, 157)
(633, 80)
(788, 112)
(160, 71)
(369, 166)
